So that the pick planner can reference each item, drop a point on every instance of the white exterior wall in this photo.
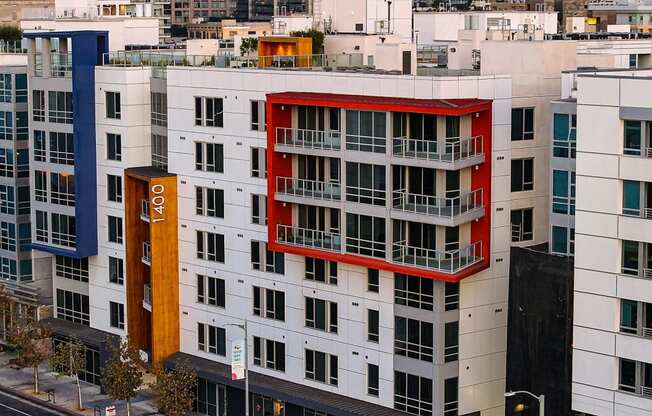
(483, 297)
(600, 229)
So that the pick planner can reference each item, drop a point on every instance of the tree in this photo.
(69, 359)
(317, 39)
(33, 345)
(122, 375)
(175, 390)
(248, 45)
(10, 33)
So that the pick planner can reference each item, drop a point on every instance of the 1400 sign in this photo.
(158, 202)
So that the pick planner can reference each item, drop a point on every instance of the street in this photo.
(14, 406)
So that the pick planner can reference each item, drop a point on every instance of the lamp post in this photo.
(541, 399)
(246, 354)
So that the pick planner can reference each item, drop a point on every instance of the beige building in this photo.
(11, 10)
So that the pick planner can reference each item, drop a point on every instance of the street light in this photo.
(541, 399)
(246, 354)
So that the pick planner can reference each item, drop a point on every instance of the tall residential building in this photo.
(612, 366)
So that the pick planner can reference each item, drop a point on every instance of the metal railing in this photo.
(645, 213)
(644, 272)
(435, 205)
(446, 261)
(361, 143)
(365, 247)
(309, 139)
(304, 237)
(448, 150)
(60, 65)
(307, 188)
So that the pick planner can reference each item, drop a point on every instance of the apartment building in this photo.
(611, 360)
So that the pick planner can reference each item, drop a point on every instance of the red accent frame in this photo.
(279, 115)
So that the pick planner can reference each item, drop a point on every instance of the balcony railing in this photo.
(147, 253)
(645, 213)
(445, 261)
(309, 139)
(644, 272)
(147, 297)
(304, 237)
(307, 188)
(60, 65)
(435, 205)
(448, 150)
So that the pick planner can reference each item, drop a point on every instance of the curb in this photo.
(39, 402)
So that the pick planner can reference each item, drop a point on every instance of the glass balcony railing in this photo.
(304, 237)
(446, 261)
(437, 206)
(308, 139)
(307, 188)
(448, 150)
(60, 65)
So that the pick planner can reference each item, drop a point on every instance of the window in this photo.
(6, 125)
(522, 229)
(63, 230)
(22, 127)
(26, 270)
(412, 394)
(259, 209)
(25, 236)
(114, 188)
(563, 240)
(269, 303)
(42, 226)
(24, 200)
(413, 291)
(373, 325)
(209, 202)
(22, 163)
(113, 105)
(210, 246)
(8, 269)
(266, 260)
(211, 291)
(113, 146)
(413, 338)
(258, 162)
(321, 367)
(373, 383)
(365, 235)
(40, 186)
(115, 229)
(563, 192)
(160, 151)
(366, 131)
(451, 341)
(39, 146)
(159, 113)
(258, 119)
(116, 270)
(564, 135)
(211, 339)
(631, 198)
(73, 307)
(60, 107)
(21, 88)
(632, 145)
(38, 105)
(319, 270)
(7, 163)
(522, 175)
(450, 396)
(7, 236)
(633, 60)
(209, 157)
(71, 268)
(62, 149)
(522, 124)
(210, 398)
(365, 183)
(321, 314)
(7, 200)
(630, 257)
(6, 90)
(117, 315)
(269, 354)
(209, 112)
(62, 189)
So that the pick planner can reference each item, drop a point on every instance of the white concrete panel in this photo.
(594, 311)
(594, 223)
(634, 229)
(594, 340)
(599, 283)
(595, 369)
(597, 253)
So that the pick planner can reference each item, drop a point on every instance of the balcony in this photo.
(147, 297)
(449, 212)
(291, 140)
(303, 237)
(449, 154)
(445, 261)
(60, 65)
(293, 189)
(147, 253)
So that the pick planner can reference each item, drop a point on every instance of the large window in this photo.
(365, 183)
(40, 143)
(209, 111)
(412, 394)
(563, 192)
(563, 240)
(60, 107)
(631, 198)
(114, 188)
(113, 146)
(321, 367)
(522, 224)
(116, 271)
(113, 108)
(211, 291)
(7, 236)
(632, 252)
(564, 135)
(159, 113)
(373, 280)
(7, 163)
(522, 175)
(160, 151)
(259, 209)
(635, 377)
(373, 325)
(413, 338)
(210, 246)
(366, 131)
(451, 392)
(42, 226)
(319, 270)
(365, 235)
(451, 341)
(522, 124)
(633, 142)
(266, 260)
(62, 149)
(269, 354)
(6, 89)
(73, 307)
(8, 270)
(321, 315)
(413, 291)
(258, 121)
(373, 383)
(117, 315)
(269, 303)
(71, 268)
(6, 125)
(210, 399)
(258, 162)
(209, 157)
(63, 230)
(211, 339)
(38, 105)
(209, 202)
(62, 189)
(21, 88)
(7, 200)
(115, 229)
(40, 186)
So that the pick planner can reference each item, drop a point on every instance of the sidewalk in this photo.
(65, 390)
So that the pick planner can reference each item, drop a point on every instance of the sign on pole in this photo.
(238, 359)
